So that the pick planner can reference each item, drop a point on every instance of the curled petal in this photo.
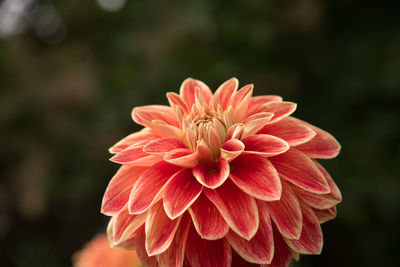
(134, 155)
(310, 241)
(280, 109)
(264, 145)
(166, 130)
(256, 176)
(180, 193)
(225, 92)
(290, 130)
(325, 215)
(300, 170)
(207, 253)
(241, 101)
(204, 152)
(238, 208)
(255, 123)
(146, 260)
(162, 146)
(144, 134)
(175, 100)
(188, 91)
(322, 146)
(231, 149)
(144, 115)
(160, 230)
(207, 220)
(182, 157)
(119, 188)
(234, 132)
(258, 102)
(150, 186)
(212, 175)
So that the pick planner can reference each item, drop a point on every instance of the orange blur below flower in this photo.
(221, 179)
(98, 253)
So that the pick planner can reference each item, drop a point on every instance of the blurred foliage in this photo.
(63, 104)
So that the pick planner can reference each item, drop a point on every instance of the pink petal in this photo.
(290, 130)
(180, 193)
(119, 188)
(256, 176)
(231, 149)
(166, 130)
(322, 146)
(162, 146)
(285, 213)
(310, 241)
(280, 109)
(188, 90)
(259, 249)
(207, 220)
(255, 123)
(283, 253)
(300, 170)
(264, 145)
(204, 152)
(214, 141)
(175, 254)
(160, 230)
(241, 101)
(212, 175)
(144, 115)
(175, 100)
(225, 92)
(150, 186)
(234, 132)
(125, 227)
(238, 209)
(256, 103)
(182, 157)
(148, 261)
(135, 155)
(207, 253)
(325, 215)
(144, 134)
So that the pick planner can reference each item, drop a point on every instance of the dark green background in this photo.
(63, 105)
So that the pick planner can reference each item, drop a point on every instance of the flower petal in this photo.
(285, 213)
(182, 157)
(212, 175)
(241, 101)
(289, 130)
(207, 220)
(259, 249)
(144, 115)
(119, 188)
(180, 193)
(258, 102)
(144, 134)
(225, 92)
(175, 254)
(148, 261)
(256, 176)
(264, 145)
(325, 215)
(188, 91)
(231, 149)
(160, 230)
(161, 146)
(255, 123)
(322, 146)
(310, 241)
(207, 253)
(150, 186)
(280, 109)
(238, 209)
(204, 152)
(234, 132)
(282, 255)
(176, 100)
(300, 170)
(134, 155)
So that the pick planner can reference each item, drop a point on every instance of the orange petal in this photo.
(182, 157)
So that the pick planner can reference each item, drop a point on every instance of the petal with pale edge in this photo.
(258, 102)
(119, 188)
(264, 145)
(207, 253)
(150, 185)
(259, 249)
(283, 254)
(225, 92)
(176, 100)
(144, 115)
(325, 215)
(148, 261)
(161, 146)
(322, 146)
(238, 208)
(301, 171)
(188, 91)
(144, 134)
(310, 241)
(160, 230)
(285, 213)
(207, 220)
(134, 155)
(182, 157)
(180, 193)
(231, 149)
(175, 254)
(290, 130)
(212, 175)
(280, 109)
(256, 176)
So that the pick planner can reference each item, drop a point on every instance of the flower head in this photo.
(214, 179)
(97, 253)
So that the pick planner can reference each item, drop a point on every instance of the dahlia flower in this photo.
(221, 179)
(97, 253)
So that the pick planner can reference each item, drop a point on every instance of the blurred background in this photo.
(71, 71)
